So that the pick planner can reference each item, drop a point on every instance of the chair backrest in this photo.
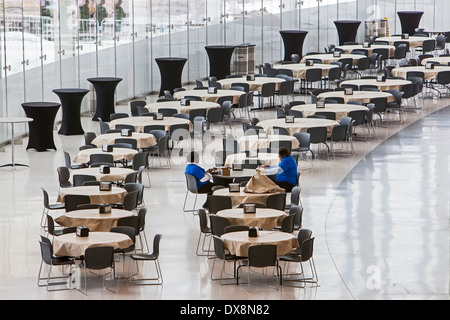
(130, 187)
(142, 213)
(191, 183)
(236, 228)
(196, 113)
(134, 107)
(156, 242)
(380, 104)
(304, 140)
(79, 179)
(295, 113)
(297, 212)
(276, 201)
(97, 258)
(339, 133)
(140, 159)
(101, 158)
(125, 126)
(328, 114)
(357, 116)
(71, 201)
(307, 248)
(280, 131)
(46, 252)
(287, 224)
(131, 141)
(203, 220)
(167, 112)
(89, 137)
(303, 234)
(318, 134)
(219, 247)
(218, 224)
(129, 231)
(63, 177)
(214, 115)
(217, 203)
(132, 221)
(313, 74)
(118, 115)
(295, 195)
(244, 85)
(263, 255)
(130, 200)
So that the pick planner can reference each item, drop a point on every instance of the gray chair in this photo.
(79, 179)
(154, 256)
(99, 258)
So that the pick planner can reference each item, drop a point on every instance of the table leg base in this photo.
(14, 165)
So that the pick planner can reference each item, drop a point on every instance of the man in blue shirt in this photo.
(202, 176)
(286, 170)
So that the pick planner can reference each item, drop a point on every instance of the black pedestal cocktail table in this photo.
(41, 128)
(219, 60)
(293, 42)
(171, 70)
(409, 21)
(105, 89)
(347, 30)
(71, 105)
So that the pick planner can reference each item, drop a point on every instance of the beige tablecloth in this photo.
(413, 41)
(212, 97)
(118, 154)
(341, 110)
(97, 197)
(263, 218)
(243, 197)
(153, 107)
(429, 74)
(239, 242)
(72, 245)
(92, 219)
(327, 57)
(389, 84)
(252, 142)
(144, 140)
(299, 69)
(363, 96)
(266, 158)
(116, 173)
(140, 122)
(300, 124)
(350, 48)
(254, 85)
(441, 60)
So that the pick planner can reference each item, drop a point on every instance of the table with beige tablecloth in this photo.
(413, 41)
(441, 60)
(115, 174)
(253, 142)
(119, 154)
(362, 96)
(388, 84)
(140, 122)
(350, 48)
(237, 243)
(74, 246)
(243, 197)
(341, 110)
(144, 140)
(97, 197)
(212, 97)
(194, 105)
(265, 158)
(428, 74)
(92, 219)
(299, 69)
(328, 58)
(299, 124)
(254, 85)
(264, 218)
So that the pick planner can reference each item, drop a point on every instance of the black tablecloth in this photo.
(41, 128)
(71, 105)
(105, 89)
(171, 70)
(347, 30)
(219, 60)
(409, 20)
(293, 42)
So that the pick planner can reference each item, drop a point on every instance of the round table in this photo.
(92, 219)
(293, 42)
(389, 84)
(41, 128)
(254, 85)
(264, 218)
(237, 243)
(441, 60)
(171, 70)
(116, 194)
(362, 96)
(116, 173)
(413, 41)
(429, 74)
(347, 30)
(119, 154)
(194, 105)
(409, 21)
(299, 125)
(74, 246)
(140, 122)
(253, 142)
(12, 121)
(219, 60)
(212, 97)
(105, 89)
(144, 140)
(243, 197)
(265, 158)
(349, 48)
(341, 110)
(71, 105)
(299, 69)
(327, 58)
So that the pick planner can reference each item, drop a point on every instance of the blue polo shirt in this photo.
(198, 172)
(289, 173)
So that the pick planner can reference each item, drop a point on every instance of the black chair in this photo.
(280, 131)
(71, 201)
(130, 141)
(134, 107)
(318, 135)
(396, 105)
(130, 232)
(276, 201)
(167, 112)
(205, 233)
(380, 106)
(49, 206)
(222, 254)
(79, 179)
(191, 187)
(218, 224)
(98, 159)
(154, 256)
(69, 164)
(63, 177)
(118, 115)
(214, 116)
(151, 127)
(312, 75)
(139, 164)
(304, 140)
(99, 258)
(267, 91)
(338, 134)
(357, 117)
(55, 230)
(125, 127)
(244, 85)
(327, 114)
(216, 203)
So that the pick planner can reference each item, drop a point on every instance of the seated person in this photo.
(203, 177)
(286, 170)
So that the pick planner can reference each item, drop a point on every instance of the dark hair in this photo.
(193, 157)
(284, 152)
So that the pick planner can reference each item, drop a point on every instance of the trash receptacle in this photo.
(244, 59)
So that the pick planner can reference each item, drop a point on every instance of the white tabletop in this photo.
(15, 119)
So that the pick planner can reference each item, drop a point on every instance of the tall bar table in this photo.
(171, 70)
(105, 89)
(409, 20)
(41, 128)
(347, 30)
(219, 60)
(12, 121)
(293, 42)
(71, 105)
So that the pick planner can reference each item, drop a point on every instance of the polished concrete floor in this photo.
(380, 219)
